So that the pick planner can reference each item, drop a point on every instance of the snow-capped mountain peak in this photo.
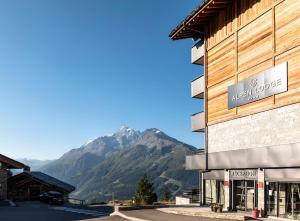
(125, 131)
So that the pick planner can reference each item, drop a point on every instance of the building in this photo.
(250, 52)
(6, 164)
(29, 186)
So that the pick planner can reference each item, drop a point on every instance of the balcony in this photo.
(198, 122)
(198, 53)
(197, 87)
(195, 161)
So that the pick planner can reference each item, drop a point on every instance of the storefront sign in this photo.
(243, 174)
(265, 84)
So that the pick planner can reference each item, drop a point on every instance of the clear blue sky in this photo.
(73, 70)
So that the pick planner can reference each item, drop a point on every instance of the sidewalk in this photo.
(157, 215)
(186, 214)
(203, 212)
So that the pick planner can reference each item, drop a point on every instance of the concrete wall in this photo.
(275, 127)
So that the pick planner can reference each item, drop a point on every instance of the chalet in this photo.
(27, 185)
(250, 53)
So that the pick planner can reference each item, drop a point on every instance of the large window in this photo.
(283, 199)
(214, 192)
(210, 191)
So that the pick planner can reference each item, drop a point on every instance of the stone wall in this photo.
(274, 127)
(3, 183)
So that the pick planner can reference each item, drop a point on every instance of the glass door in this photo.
(245, 195)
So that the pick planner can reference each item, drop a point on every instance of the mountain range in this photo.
(113, 164)
(34, 164)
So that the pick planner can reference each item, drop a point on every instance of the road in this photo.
(34, 211)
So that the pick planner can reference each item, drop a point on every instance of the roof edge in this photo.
(188, 19)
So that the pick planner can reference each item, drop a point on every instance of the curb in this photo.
(127, 217)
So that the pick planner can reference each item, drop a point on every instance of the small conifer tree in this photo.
(144, 193)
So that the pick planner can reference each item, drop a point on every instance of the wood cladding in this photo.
(293, 93)
(248, 37)
(287, 25)
(255, 42)
(221, 62)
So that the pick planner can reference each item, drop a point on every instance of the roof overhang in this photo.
(13, 164)
(193, 26)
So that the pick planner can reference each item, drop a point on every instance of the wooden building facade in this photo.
(29, 185)
(252, 143)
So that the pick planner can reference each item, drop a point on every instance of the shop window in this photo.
(210, 191)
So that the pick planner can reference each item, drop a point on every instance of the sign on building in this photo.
(262, 85)
(243, 174)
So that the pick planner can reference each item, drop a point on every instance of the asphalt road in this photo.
(34, 211)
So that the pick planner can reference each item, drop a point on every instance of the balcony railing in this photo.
(198, 122)
(197, 87)
(198, 53)
(195, 162)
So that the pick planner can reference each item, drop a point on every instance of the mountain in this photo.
(116, 162)
(34, 164)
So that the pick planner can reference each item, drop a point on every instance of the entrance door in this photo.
(245, 195)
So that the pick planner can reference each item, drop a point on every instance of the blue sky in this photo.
(73, 70)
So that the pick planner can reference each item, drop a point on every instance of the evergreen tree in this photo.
(144, 193)
(166, 193)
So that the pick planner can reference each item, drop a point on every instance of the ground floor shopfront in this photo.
(276, 192)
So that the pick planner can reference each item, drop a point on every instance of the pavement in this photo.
(156, 215)
(35, 211)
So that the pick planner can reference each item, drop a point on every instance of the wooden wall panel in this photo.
(255, 42)
(220, 88)
(293, 93)
(217, 105)
(255, 107)
(225, 23)
(287, 25)
(217, 110)
(255, 70)
(221, 62)
(251, 9)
